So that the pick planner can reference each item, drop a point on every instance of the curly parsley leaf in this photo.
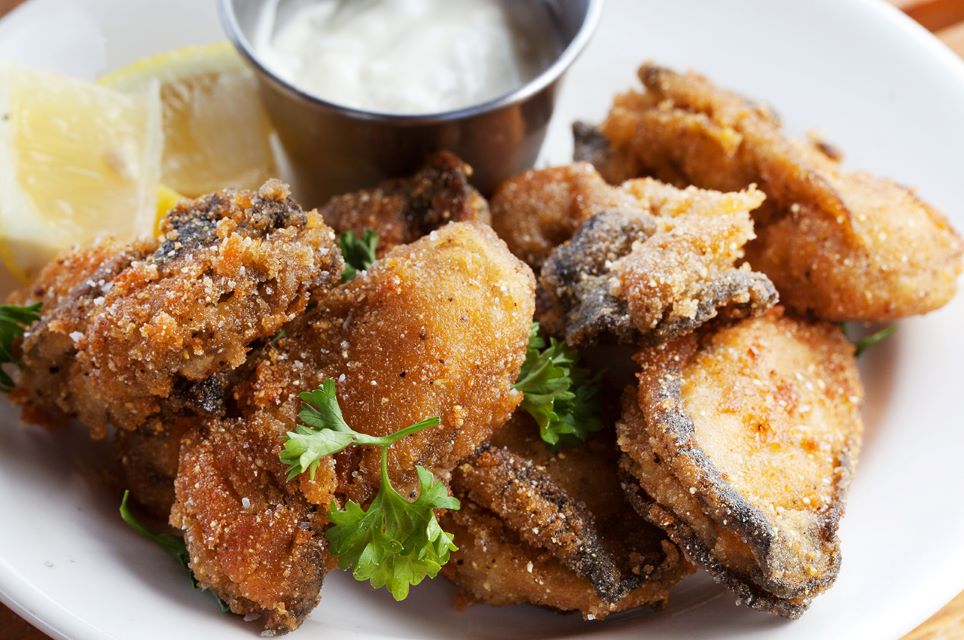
(14, 321)
(563, 398)
(358, 251)
(172, 544)
(394, 543)
(324, 432)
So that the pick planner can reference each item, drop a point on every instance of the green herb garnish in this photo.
(359, 252)
(563, 398)
(395, 543)
(875, 338)
(172, 544)
(324, 432)
(14, 321)
(862, 344)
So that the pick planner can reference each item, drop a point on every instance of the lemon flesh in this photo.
(216, 132)
(76, 160)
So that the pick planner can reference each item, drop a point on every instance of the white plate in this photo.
(872, 81)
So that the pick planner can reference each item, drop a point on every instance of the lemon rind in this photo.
(171, 66)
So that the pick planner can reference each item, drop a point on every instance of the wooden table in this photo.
(946, 19)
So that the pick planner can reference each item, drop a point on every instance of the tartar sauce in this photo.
(403, 56)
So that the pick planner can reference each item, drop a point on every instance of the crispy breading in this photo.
(552, 528)
(740, 444)
(689, 274)
(840, 245)
(576, 286)
(435, 328)
(254, 539)
(539, 209)
(541, 514)
(68, 289)
(230, 270)
(403, 210)
(656, 273)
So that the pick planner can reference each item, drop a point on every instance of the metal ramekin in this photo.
(334, 149)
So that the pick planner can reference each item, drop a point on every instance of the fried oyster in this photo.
(403, 210)
(655, 273)
(541, 208)
(740, 443)
(840, 245)
(127, 330)
(552, 528)
(438, 327)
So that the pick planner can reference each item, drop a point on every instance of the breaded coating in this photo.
(539, 209)
(435, 328)
(230, 269)
(541, 513)
(69, 290)
(741, 444)
(253, 538)
(148, 455)
(403, 210)
(615, 164)
(576, 287)
(148, 460)
(629, 274)
(686, 275)
(553, 529)
(839, 245)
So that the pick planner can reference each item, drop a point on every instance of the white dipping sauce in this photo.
(404, 56)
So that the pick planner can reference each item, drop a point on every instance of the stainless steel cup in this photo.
(334, 149)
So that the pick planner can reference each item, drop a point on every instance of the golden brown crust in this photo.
(253, 538)
(403, 210)
(68, 289)
(744, 441)
(539, 209)
(654, 273)
(493, 567)
(540, 513)
(231, 269)
(843, 246)
(689, 274)
(438, 327)
(446, 320)
(552, 528)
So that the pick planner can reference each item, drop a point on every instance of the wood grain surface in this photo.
(946, 19)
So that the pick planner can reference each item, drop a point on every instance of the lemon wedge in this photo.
(216, 132)
(76, 160)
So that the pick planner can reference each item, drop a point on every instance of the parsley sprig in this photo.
(14, 321)
(358, 251)
(324, 432)
(395, 543)
(172, 544)
(563, 398)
